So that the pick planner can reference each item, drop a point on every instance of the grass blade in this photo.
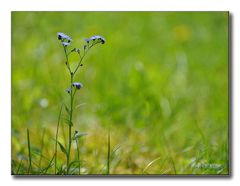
(20, 165)
(108, 153)
(152, 162)
(173, 165)
(29, 153)
(49, 165)
(56, 139)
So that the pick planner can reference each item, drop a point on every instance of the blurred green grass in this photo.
(160, 82)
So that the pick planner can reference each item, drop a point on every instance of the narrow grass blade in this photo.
(173, 165)
(29, 153)
(108, 153)
(20, 165)
(56, 138)
(152, 162)
(49, 165)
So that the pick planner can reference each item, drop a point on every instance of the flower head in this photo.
(68, 90)
(99, 39)
(65, 44)
(77, 85)
(62, 36)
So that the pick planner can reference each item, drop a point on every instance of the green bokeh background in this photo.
(160, 82)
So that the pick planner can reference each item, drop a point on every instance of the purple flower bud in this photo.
(77, 85)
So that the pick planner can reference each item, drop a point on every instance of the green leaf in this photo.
(67, 109)
(68, 122)
(62, 148)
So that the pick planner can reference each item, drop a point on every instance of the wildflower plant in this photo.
(74, 86)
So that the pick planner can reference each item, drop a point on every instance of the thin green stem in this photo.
(67, 62)
(71, 110)
(108, 153)
(70, 124)
(29, 153)
(56, 139)
(82, 57)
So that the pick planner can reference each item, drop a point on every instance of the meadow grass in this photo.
(160, 81)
